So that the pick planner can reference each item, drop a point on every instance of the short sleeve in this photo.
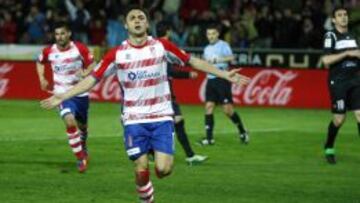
(86, 55)
(227, 49)
(106, 65)
(329, 42)
(174, 54)
(44, 56)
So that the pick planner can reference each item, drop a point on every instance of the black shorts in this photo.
(218, 90)
(176, 108)
(345, 96)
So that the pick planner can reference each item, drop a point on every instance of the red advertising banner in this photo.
(268, 87)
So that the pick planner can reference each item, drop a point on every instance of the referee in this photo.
(218, 90)
(342, 56)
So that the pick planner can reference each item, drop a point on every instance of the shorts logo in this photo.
(340, 104)
(133, 151)
(130, 141)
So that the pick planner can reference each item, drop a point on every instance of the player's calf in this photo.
(144, 186)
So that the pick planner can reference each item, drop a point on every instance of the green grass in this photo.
(283, 162)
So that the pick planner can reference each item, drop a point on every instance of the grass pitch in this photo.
(283, 162)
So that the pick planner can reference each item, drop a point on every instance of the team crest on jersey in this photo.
(127, 56)
(152, 50)
(57, 68)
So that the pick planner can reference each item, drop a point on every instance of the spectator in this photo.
(97, 32)
(116, 32)
(180, 34)
(310, 38)
(80, 19)
(35, 23)
(8, 28)
(264, 26)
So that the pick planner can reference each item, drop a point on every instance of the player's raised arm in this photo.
(231, 75)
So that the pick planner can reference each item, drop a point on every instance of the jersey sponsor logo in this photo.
(65, 67)
(345, 44)
(350, 64)
(143, 75)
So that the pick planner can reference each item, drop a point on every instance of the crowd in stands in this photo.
(244, 23)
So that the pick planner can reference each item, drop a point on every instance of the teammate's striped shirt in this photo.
(66, 64)
(142, 73)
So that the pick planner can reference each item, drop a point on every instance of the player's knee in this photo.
(338, 120)
(178, 119)
(209, 108)
(69, 120)
(228, 110)
(357, 115)
(163, 171)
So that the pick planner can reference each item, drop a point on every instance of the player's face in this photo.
(341, 18)
(136, 23)
(212, 35)
(62, 36)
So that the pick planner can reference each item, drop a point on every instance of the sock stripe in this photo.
(144, 188)
(146, 195)
(77, 149)
(73, 135)
(74, 140)
(146, 192)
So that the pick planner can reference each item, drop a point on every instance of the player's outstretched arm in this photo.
(81, 87)
(232, 76)
(88, 70)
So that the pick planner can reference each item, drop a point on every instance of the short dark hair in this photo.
(136, 7)
(213, 26)
(336, 9)
(161, 28)
(61, 24)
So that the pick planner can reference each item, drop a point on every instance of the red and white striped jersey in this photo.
(142, 74)
(66, 64)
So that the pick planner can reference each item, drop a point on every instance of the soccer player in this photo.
(218, 90)
(140, 64)
(342, 56)
(163, 30)
(70, 62)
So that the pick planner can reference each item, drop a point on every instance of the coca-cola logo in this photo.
(107, 89)
(4, 82)
(267, 87)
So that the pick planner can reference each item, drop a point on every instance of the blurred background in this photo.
(282, 39)
(245, 23)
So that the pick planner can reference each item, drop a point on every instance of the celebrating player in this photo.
(70, 62)
(140, 64)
